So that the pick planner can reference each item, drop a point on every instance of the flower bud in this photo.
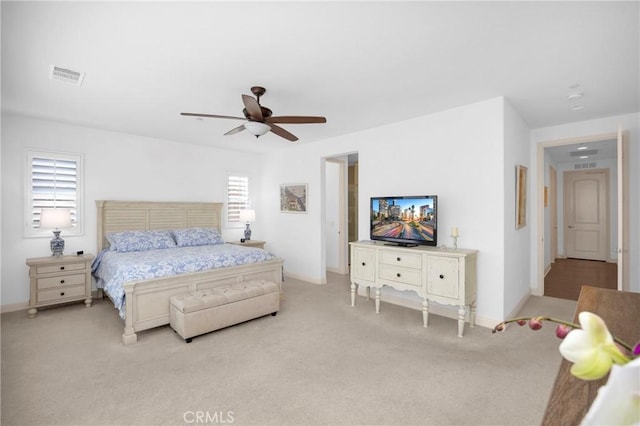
(521, 322)
(499, 327)
(636, 349)
(562, 331)
(535, 324)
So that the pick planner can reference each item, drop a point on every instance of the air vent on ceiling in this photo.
(64, 74)
(584, 166)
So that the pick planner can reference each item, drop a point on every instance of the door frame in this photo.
(623, 211)
(553, 212)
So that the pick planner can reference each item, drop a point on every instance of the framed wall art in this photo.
(521, 196)
(293, 198)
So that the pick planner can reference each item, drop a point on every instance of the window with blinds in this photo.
(237, 197)
(54, 180)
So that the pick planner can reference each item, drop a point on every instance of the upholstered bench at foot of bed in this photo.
(200, 312)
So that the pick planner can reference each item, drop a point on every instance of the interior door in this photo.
(623, 212)
(586, 214)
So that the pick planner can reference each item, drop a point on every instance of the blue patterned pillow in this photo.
(140, 240)
(197, 237)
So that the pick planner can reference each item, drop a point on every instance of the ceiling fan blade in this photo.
(235, 130)
(193, 114)
(283, 133)
(292, 119)
(253, 108)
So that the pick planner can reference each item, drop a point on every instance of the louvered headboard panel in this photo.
(118, 216)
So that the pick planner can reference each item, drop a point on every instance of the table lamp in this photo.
(55, 219)
(247, 216)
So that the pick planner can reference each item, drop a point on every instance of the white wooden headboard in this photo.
(118, 216)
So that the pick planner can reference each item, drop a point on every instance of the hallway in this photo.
(567, 276)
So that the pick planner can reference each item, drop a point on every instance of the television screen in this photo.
(406, 221)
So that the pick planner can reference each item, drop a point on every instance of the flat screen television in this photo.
(405, 220)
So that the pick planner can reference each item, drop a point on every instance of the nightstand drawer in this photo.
(47, 269)
(60, 293)
(59, 281)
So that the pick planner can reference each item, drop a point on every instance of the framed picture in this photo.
(521, 196)
(293, 198)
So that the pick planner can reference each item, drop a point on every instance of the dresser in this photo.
(444, 276)
(59, 279)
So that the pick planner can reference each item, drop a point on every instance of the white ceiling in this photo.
(360, 64)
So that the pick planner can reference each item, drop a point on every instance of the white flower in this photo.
(591, 349)
(617, 402)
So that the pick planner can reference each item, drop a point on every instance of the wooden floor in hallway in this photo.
(567, 276)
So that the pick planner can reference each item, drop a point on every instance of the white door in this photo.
(586, 220)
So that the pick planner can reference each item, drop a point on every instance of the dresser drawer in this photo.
(401, 275)
(47, 269)
(59, 281)
(407, 260)
(60, 293)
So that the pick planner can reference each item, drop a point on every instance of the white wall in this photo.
(630, 122)
(517, 252)
(456, 154)
(116, 166)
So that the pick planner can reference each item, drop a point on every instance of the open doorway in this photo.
(340, 210)
(580, 215)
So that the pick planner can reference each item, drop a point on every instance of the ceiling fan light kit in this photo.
(257, 128)
(258, 119)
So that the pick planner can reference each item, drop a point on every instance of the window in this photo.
(54, 180)
(237, 198)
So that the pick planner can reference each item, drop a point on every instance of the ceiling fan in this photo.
(259, 119)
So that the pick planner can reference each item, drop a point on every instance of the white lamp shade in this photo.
(55, 218)
(247, 215)
(256, 128)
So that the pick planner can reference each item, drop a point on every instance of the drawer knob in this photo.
(61, 281)
(398, 275)
(441, 276)
(364, 264)
(62, 268)
(62, 293)
(398, 259)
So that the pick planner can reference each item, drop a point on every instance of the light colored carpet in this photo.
(319, 361)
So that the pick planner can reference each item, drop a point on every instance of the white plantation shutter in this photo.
(53, 181)
(237, 197)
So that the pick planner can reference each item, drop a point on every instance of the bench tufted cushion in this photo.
(223, 295)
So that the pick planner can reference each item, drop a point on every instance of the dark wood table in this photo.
(571, 397)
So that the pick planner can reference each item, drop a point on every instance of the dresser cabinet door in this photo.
(442, 277)
(364, 264)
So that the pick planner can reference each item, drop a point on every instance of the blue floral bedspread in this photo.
(112, 269)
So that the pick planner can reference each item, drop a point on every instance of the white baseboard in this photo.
(13, 307)
(311, 280)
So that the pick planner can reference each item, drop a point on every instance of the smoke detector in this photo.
(66, 75)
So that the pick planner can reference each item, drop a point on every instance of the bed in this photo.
(146, 301)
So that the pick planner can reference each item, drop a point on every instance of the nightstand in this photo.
(250, 243)
(55, 280)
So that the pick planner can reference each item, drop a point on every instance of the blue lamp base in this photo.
(247, 233)
(57, 244)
